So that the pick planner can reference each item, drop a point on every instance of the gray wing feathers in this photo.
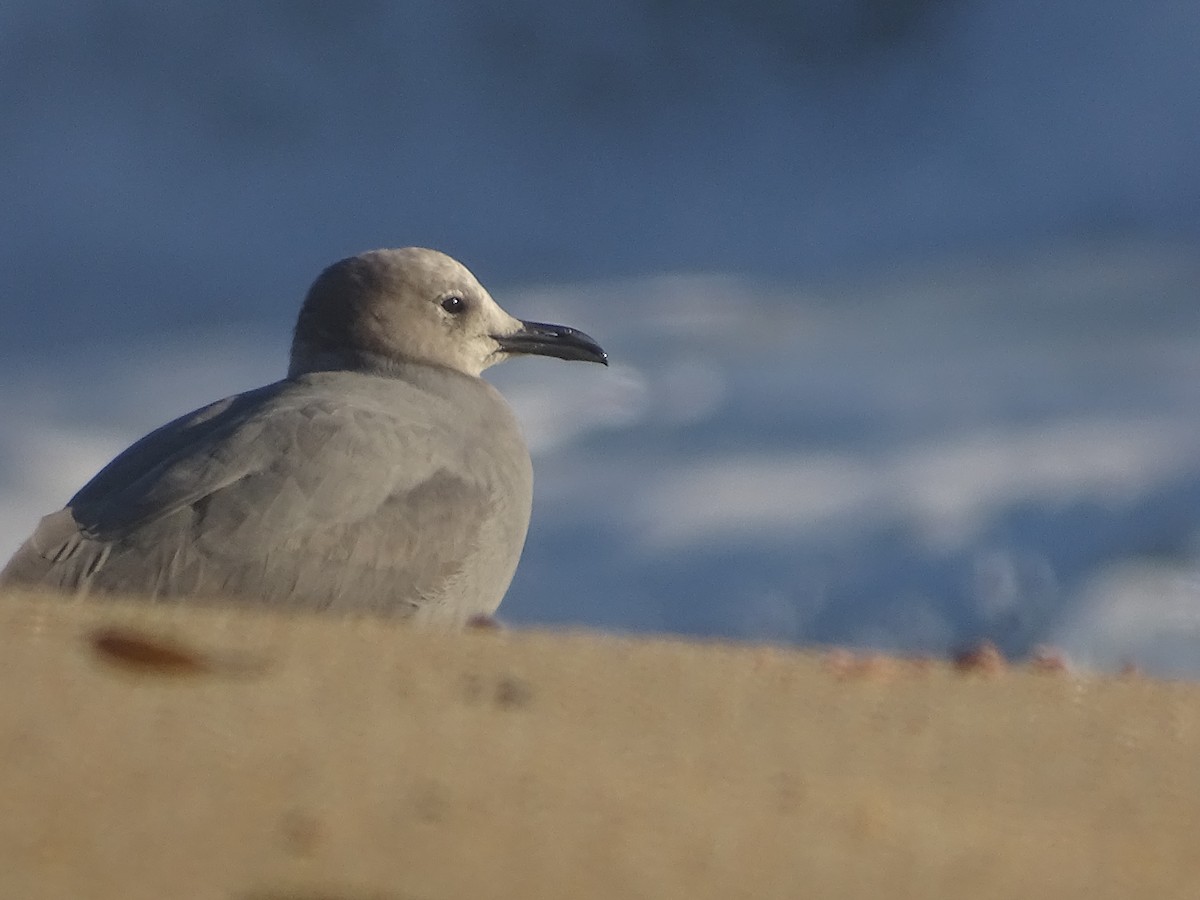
(57, 555)
(69, 547)
(291, 500)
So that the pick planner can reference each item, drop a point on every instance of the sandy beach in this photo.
(163, 751)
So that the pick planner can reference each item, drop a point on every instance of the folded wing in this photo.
(287, 496)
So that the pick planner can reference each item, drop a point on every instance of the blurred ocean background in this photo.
(902, 296)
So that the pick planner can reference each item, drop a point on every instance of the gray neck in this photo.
(304, 362)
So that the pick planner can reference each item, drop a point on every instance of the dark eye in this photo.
(454, 305)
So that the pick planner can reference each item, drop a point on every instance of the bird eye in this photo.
(454, 305)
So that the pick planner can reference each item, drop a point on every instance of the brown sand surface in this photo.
(164, 752)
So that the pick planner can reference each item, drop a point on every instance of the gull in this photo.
(382, 475)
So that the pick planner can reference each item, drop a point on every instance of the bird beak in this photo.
(552, 340)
